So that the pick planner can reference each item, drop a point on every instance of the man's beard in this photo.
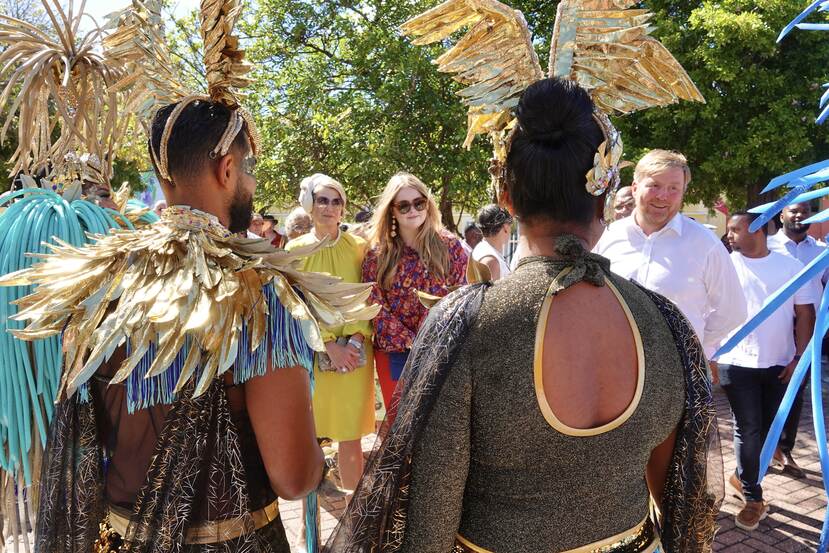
(241, 210)
(797, 228)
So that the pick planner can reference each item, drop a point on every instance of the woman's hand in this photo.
(342, 357)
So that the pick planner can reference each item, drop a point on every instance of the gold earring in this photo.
(393, 227)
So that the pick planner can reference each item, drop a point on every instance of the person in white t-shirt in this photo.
(755, 373)
(674, 255)
(495, 223)
(794, 241)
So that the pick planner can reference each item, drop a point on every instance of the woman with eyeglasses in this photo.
(410, 252)
(343, 377)
(495, 223)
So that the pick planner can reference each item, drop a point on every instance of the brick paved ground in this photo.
(797, 506)
(793, 524)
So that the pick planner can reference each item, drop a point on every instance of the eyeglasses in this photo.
(322, 201)
(405, 206)
(249, 164)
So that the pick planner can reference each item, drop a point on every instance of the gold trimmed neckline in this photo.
(547, 411)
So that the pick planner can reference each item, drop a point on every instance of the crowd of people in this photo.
(595, 341)
(404, 250)
(171, 382)
(653, 244)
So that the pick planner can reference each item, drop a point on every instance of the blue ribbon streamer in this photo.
(786, 178)
(807, 197)
(814, 268)
(778, 206)
(803, 15)
(817, 412)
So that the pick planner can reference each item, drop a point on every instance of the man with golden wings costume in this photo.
(182, 399)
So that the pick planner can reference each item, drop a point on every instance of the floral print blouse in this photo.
(395, 327)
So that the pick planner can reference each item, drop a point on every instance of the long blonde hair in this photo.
(429, 245)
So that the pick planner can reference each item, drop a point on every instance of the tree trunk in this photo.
(755, 198)
(446, 215)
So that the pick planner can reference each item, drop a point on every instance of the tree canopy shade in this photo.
(341, 91)
(762, 97)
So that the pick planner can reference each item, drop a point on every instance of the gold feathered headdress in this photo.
(58, 84)
(75, 94)
(601, 44)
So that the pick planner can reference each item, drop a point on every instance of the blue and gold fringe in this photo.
(284, 340)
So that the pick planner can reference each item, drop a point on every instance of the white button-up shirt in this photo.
(804, 251)
(685, 262)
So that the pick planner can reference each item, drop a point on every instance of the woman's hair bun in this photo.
(553, 137)
(552, 122)
(552, 150)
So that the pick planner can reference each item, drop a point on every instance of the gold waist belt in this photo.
(641, 538)
(213, 531)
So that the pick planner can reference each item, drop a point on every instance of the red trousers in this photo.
(387, 385)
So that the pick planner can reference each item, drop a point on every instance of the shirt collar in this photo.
(780, 235)
(675, 224)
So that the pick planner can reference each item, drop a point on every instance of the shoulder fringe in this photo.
(188, 300)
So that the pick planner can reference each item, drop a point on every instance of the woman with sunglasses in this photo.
(410, 252)
(343, 379)
(495, 223)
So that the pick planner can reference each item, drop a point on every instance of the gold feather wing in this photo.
(607, 49)
(185, 290)
(138, 44)
(495, 58)
(223, 60)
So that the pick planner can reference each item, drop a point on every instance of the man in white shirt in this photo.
(755, 373)
(794, 241)
(674, 255)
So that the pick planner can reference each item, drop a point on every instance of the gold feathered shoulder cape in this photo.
(188, 300)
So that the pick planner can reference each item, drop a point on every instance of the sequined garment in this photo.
(198, 470)
(694, 489)
(488, 499)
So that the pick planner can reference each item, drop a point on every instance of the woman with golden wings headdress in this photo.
(551, 409)
(183, 405)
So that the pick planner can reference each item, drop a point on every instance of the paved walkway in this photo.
(793, 524)
(797, 506)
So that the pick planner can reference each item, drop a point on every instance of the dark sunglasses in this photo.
(405, 206)
(322, 201)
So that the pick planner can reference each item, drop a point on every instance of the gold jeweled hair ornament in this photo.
(601, 44)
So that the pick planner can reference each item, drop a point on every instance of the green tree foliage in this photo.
(761, 97)
(340, 91)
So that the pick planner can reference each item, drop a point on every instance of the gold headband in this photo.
(238, 118)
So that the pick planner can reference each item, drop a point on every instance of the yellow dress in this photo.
(343, 402)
